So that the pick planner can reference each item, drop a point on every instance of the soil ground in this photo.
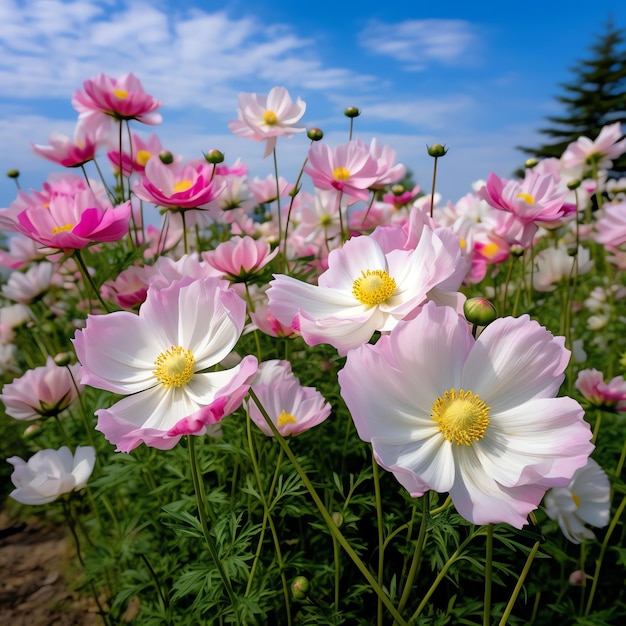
(36, 561)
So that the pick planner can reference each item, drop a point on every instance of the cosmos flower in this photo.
(585, 500)
(609, 145)
(473, 417)
(159, 360)
(609, 396)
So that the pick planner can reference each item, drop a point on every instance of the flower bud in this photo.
(479, 311)
(166, 157)
(214, 157)
(351, 112)
(63, 359)
(397, 189)
(577, 577)
(299, 587)
(314, 134)
(516, 250)
(337, 518)
(530, 163)
(437, 150)
(32, 431)
(574, 184)
(13, 173)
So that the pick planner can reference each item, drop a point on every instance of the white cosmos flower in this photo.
(473, 417)
(159, 359)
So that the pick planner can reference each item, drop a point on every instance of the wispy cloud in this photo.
(420, 43)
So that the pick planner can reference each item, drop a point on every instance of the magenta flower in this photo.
(265, 118)
(141, 152)
(240, 258)
(74, 222)
(609, 396)
(70, 152)
(349, 168)
(120, 98)
(49, 474)
(160, 360)
(42, 392)
(473, 417)
(178, 186)
(292, 408)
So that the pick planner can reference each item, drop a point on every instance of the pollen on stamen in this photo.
(143, 156)
(526, 197)
(122, 94)
(373, 287)
(461, 415)
(182, 185)
(174, 367)
(286, 418)
(270, 118)
(341, 173)
(62, 229)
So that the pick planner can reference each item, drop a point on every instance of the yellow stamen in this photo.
(182, 185)
(174, 367)
(122, 94)
(462, 416)
(143, 156)
(373, 287)
(490, 249)
(341, 173)
(526, 197)
(576, 500)
(62, 229)
(286, 418)
(270, 118)
(462, 243)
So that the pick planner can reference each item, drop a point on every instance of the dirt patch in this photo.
(33, 588)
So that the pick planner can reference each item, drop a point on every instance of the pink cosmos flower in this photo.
(49, 474)
(74, 222)
(42, 392)
(177, 186)
(365, 288)
(609, 145)
(611, 227)
(349, 168)
(264, 190)
(141, 152)
(609, 396)
(265, 118)
(292, 408)
(70, 152)
(240, 258)
(473, 417)
(585, 500)
(31, 285)
(120, 98)
(388, 170)
(159, 359)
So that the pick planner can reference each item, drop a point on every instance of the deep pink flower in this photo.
(70, 152)
(349, 168)
(120, 98)
(178, 186)
(141, 152)
(609, 396)
(476, 418)
(71, 223)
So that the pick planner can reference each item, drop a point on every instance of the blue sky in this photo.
(479, 77)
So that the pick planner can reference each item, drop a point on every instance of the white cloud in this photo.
(419, 43)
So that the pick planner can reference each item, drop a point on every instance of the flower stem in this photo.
(84, 270)
(332, 527)
(381, 534)
(488, 572)
(203, 508)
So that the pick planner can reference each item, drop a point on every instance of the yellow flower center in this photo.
(182, 185)
(174, 367)
(122, 94)
(576, 500)
(490, 249)
(143, 156)
(373, 287)
(341, 173)
(286, 418)
(270, 118)
(526, 197)
(462, 416)
(62, 229)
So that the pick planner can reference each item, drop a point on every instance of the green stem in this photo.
(203, 507)
(596, 426)
(488, 573)
(518, 586)
(381, 535)
(332, 527)
(432, 193)
(88, 279)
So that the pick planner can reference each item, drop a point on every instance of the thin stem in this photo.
(488, 573)
(432, 192)
(381, 534)
(293, 197)
(185, 242)
(332, 527)
(88, 279)
(203, 508)
(518, 586)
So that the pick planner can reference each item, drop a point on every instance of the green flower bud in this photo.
(63, 359)
(530, 163)
(574, 184)
(166, 157)
(397, 189)
(214, 157)
(314, 134)
(337, 518)
(479, 311)
(351, 112)
(13, 173)
(299, 587)
(437, 150)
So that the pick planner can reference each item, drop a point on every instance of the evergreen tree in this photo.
(596, 97)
